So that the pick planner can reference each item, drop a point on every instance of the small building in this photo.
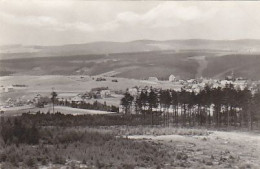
(8, 89)
(100, 79)
(77, 99)
(230, 77)
(133, 91)
(172, 78)
(105, 93)
(37, 98)
(192, 81)
(100, 92)
(242, 84)
(19, 86)
(225, 82)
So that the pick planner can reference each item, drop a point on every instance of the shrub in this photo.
(17, 132)
(128, 166)
(69, 137)
(30, 162)
(59, 159)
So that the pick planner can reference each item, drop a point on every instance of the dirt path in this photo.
(217, 150)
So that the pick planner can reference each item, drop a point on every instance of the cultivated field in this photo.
(70, 86)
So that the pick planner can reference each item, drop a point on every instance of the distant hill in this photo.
(20, 51)
(137, 59)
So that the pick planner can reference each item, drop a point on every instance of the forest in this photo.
(216, 107)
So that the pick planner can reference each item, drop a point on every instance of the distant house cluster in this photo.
(196, 85)
(6, 89)
(189, 86)
(95, 93)
(11, 88)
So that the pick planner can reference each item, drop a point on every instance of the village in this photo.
(107, 93)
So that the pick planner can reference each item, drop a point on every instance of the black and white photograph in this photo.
(129, 84)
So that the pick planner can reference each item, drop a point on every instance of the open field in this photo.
(70, 86)
(148, 147)
(216, 150)
(64, 110)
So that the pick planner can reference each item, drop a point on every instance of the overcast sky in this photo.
(63, 22)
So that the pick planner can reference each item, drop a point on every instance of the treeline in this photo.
(84, 105)
(218, 107)
(68, 120)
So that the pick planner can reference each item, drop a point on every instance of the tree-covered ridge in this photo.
(92, 106)
(211, 106)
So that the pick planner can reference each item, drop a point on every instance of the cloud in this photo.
(82, 21)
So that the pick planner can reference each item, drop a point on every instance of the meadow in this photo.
(39, 141)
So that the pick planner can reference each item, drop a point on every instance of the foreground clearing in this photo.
(216, 150)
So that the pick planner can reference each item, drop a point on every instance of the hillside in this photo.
(137, 59)
(138, 65)
(20, 51)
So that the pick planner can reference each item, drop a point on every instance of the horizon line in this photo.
(129, 41)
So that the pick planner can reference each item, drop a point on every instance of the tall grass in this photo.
(103, 150)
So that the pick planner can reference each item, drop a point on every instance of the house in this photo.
(121, 109)
(86, 96)
(10, 101)
(225, 82)
(100, 92)
(105, 93)
(37, 98)
(8, 89)
(76, 99)
(100, 79)
(230, 77)
(172, 78)
(133, 91)
(19, 86)
(242, 84)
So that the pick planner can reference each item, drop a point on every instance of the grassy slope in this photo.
(242, 65)
(138, 65)
(126, 64)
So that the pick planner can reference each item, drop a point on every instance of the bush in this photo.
(68, 137)
(17, 132)
(128, 166)
(59, 159)
(30, 162)
(3, 157)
